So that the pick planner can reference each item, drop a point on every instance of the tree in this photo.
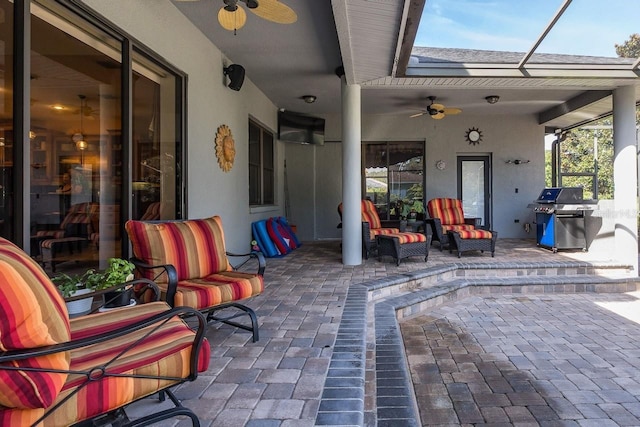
(630, 48)
(577, 150)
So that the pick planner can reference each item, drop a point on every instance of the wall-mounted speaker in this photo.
(236, 76)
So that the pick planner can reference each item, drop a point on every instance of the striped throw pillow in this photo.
(33, 315)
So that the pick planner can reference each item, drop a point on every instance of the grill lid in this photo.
(561, 195)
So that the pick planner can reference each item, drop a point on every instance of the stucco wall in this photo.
(210, 104)
(504, 138)
(314, 174)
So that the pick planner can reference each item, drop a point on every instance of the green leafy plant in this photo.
(69, 283)
(119, 271)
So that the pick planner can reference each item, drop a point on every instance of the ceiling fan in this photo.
(85, 110)
(232, 17)
(437, 111)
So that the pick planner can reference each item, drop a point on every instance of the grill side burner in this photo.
(560, 218)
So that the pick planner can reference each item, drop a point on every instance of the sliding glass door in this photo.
(98, 140)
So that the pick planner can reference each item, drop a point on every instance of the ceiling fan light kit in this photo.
(437, 111)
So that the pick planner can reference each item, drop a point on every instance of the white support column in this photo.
(625, 177)
(351, 178)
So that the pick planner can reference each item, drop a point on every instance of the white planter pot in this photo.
(81, 306)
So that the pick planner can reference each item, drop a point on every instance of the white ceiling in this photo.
(289, 61)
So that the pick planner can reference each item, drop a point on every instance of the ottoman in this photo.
(403, 245)
(472, 240)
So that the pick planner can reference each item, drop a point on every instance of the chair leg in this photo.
(245, 310)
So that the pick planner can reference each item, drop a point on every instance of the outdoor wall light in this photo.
(492, 99)
(518, 161)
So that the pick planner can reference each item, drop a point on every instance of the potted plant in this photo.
(118, 272)
(73, 285)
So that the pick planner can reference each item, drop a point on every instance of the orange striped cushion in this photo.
(380, 231)
(33, 314)
(370, 214)
(216, 289)
(167, 351)
(409, 237)
(474, 234)
(449, 211)
(457, 227)
(194, 247)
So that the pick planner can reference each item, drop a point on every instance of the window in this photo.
(394, 178)
(261, 166)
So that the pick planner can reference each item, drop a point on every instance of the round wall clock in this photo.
(440, 164)
(474, 136)
(225, 148)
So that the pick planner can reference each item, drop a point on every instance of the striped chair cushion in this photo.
(216, 289)
(474, 234)
(166, 352)
(409, 237)
(78, 216)
(381, 231)
(194, 247)
(33, 314)
(449, 211)
(457, 227)
(370, 214)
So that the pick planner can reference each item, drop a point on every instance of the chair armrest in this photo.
(171, 272)
(157, 319)
(476, 222)
(262, 263)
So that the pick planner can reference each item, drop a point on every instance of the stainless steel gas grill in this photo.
(560, 218)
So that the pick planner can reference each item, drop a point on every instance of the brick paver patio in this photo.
(320, 358)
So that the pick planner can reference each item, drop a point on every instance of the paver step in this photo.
(507, 274)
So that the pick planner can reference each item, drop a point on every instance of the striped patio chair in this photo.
(372, 226)
(446, 214)
(56, 371)
(188, 261)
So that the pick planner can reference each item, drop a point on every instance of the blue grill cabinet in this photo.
(560, 218)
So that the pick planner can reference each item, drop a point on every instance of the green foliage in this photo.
(630, 48)
(119, 271)
(68, 283)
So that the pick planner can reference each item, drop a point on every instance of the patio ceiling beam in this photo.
(548, 28)
(407, 37)
(512, 70)
(572, 104)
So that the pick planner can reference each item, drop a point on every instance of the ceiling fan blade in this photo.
(438, 116)
(232, 20)
(452, 111)
(275, 11)
(418, 114)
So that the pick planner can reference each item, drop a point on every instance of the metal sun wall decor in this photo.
(225, 148)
